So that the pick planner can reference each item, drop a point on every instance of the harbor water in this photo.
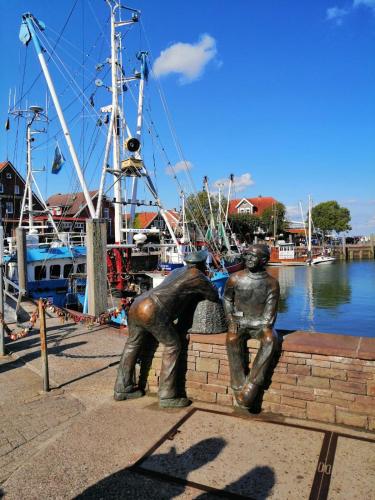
(335, 298)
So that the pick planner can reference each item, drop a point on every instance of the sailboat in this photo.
(287, 254)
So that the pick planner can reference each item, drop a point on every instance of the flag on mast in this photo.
(58, 160)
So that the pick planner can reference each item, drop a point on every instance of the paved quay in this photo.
(76, 442)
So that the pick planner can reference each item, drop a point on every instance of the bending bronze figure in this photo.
(154, 313)
(250, 302)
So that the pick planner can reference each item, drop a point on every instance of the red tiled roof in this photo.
(295, 231)
(144, 219)
(4, 164)
(173, 218)
(72, 201)
(260, 203)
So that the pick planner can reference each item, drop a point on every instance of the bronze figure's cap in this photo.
(258, 248)
(196, 257)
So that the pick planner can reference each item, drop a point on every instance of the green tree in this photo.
(329, 216)
(197, 209)
(267, 218)
(244, 224)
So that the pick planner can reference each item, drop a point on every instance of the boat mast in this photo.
(309, 240)
(27, 33)
(115, 125)
(142, 57)
(231, 177)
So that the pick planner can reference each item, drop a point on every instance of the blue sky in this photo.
(279, 93)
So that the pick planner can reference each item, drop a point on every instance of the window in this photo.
(9, 207)
(40, 273)
(245, 210)
(79, 226)
(54, 272)
(106, 213)
(67, 225)
(81, 268)
(1, 187)
(9, 175)
(68, 268)
(16, 189)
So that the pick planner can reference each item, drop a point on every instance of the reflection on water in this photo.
(337, 298)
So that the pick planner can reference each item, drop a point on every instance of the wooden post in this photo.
(2, 347)
(43, 345)
(21, 257)
(96, 234)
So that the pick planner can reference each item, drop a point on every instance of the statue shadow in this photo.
(256, 484)
(151, 482)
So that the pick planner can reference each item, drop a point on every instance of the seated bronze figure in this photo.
(250, 302)
(154, 313)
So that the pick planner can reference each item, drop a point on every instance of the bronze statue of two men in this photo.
(250, 303)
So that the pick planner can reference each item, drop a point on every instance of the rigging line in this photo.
(74, 90)
(175, 177)
(18, 122)
(75, 47)
(166, 109)
(41, 71)
(75, 74)
(65, 109)
(98, 23)
(72, 80)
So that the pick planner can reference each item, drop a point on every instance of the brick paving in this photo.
(76, 442)
(28, 418)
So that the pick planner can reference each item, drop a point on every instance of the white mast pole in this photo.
(229, 193)
(205, 183)
(117, 188)
(29, 176)
(183, 215)
(104, 168)
(29, 20)
(309, 244)
(138, 133)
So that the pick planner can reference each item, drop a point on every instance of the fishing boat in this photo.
(133, 264)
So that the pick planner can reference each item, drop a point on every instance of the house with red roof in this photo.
(254, 206)
(149, 220)
(69, 211)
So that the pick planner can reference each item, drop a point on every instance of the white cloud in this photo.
(239, 183)
(336, 14)
(180, 166)
(364, 3)
(186, 59)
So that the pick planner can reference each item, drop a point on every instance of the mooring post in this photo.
(21, 257)
(96, 234)
(43, 345)
(2, 347)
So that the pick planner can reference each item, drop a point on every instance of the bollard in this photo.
(43, 345)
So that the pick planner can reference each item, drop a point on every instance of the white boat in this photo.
(322, 259)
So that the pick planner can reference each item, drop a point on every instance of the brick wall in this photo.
(325, 377)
